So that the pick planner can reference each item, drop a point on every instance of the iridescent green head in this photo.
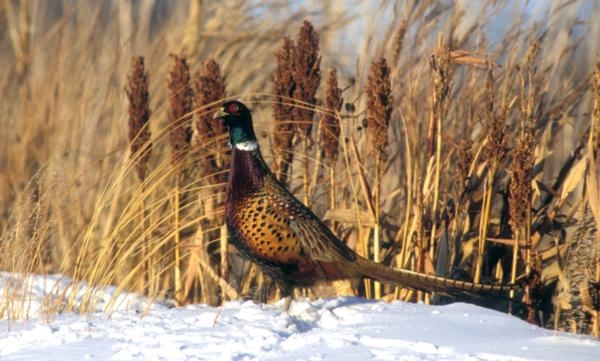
(238, 119)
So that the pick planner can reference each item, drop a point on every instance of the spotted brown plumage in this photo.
(286, 239)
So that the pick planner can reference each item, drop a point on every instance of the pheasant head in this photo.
(238, 119)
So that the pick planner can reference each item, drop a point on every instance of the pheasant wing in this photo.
(315, 237)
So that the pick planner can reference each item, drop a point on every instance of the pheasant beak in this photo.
(220, 114)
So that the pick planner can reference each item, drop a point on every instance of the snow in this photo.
(325, 329)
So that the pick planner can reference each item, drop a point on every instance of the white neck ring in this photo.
(247, 146)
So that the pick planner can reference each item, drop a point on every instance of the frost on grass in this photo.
(27, 296)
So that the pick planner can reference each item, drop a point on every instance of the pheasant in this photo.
(273, 229)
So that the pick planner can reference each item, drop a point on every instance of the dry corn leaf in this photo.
(350, 216)
(364, 185)
(593, 192)
(576, 174)
(471, 58)
(427, 183)
(550, 272)
(542, 159)
(506, 241)
(541, 187)
(466, 225)
(550, 252)
(468, 249)
(562, 300)
(428, 265)
(537, 192)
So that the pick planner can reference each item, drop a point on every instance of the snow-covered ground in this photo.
(331, 329)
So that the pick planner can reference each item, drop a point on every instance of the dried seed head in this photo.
(528, 89)
(399, 40)
(523, 157)
(495, 148)
(520, 179)
(180, 100)
(283, 110)
(465, 158)
(379, 106)
(307, 77)
(440, 62)
(490, 94)
(284, 89)
(209, 87)
(534, 51)
(139, 114)
(330, 123)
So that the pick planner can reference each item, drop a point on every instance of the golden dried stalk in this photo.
(440, 105)
(523, 160)
(180, 116)
(214, 155)
(140, 143)
(379, 111)
(495, 152)
(139, 114)
(523, 157)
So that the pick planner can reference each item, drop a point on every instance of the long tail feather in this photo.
(429, 283)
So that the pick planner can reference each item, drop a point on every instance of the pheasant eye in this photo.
(233, 108)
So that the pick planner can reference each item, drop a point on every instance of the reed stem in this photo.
(224, 258)
(377, 227)
(145, 277)
(513, 269)
(488, 194)
(331, 193)
(177, 247)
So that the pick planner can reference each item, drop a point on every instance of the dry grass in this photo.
(488, 167)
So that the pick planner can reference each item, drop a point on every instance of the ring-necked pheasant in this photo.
(287, 240)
